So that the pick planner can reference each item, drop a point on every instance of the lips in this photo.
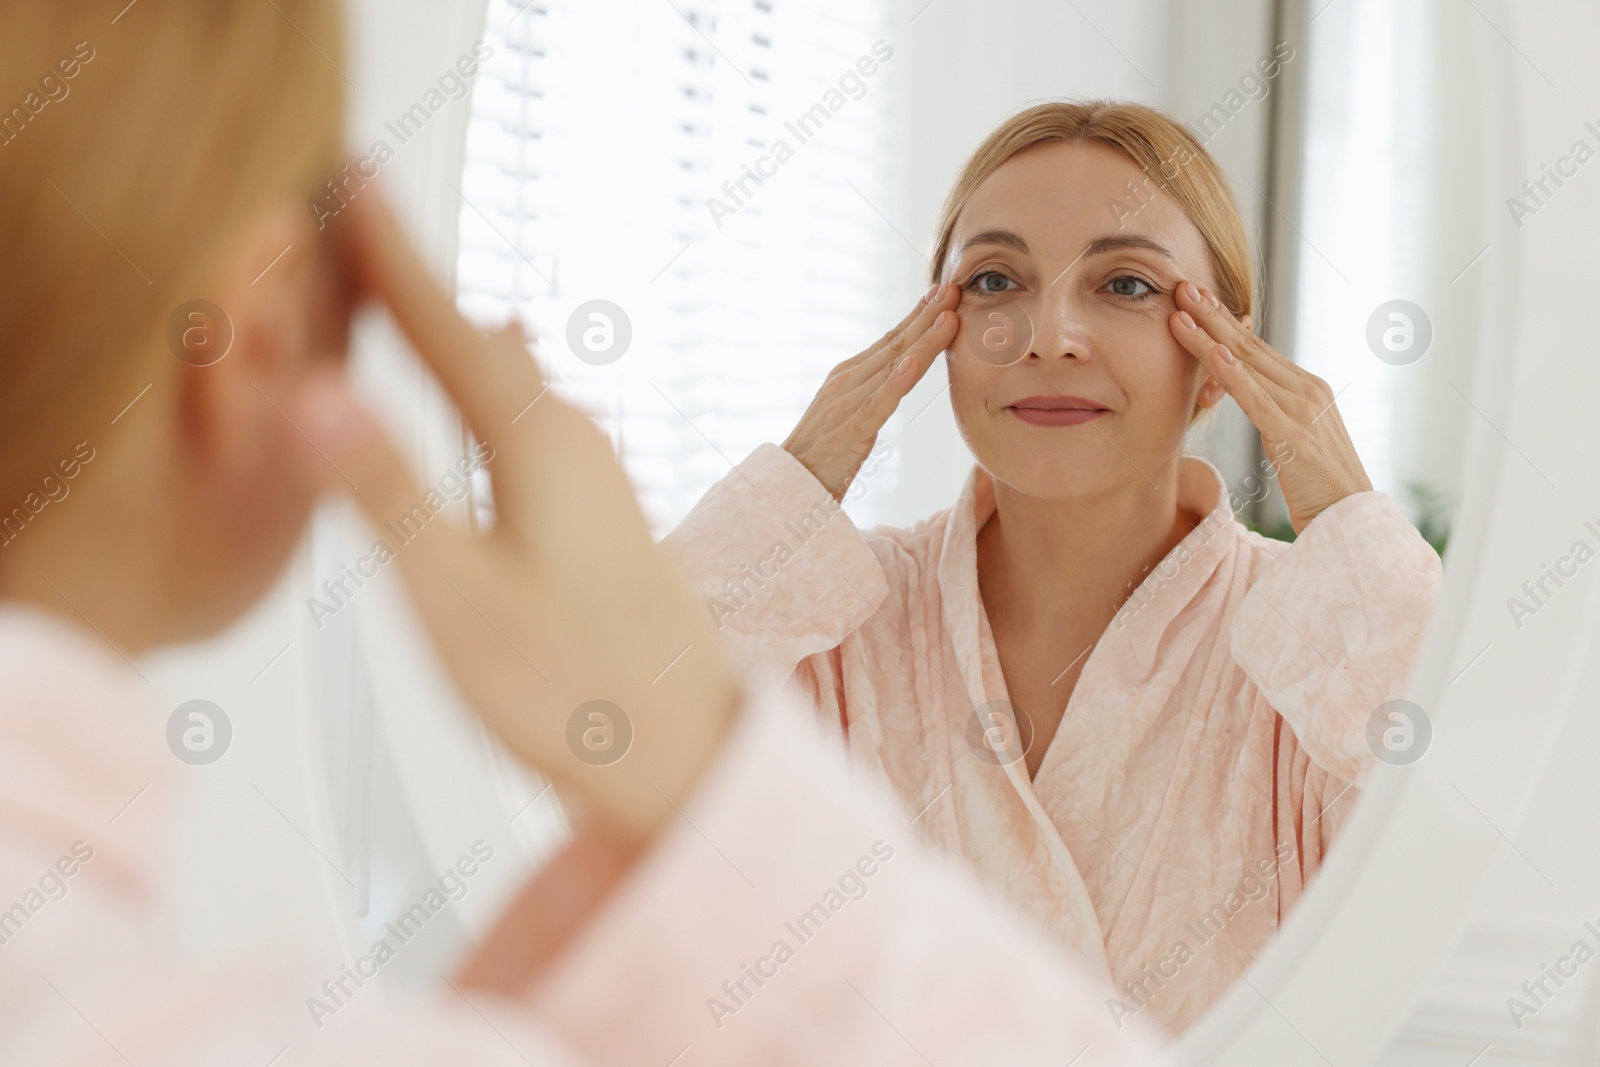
(1057, 409)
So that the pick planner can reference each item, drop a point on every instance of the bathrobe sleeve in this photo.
(89, 972)
(782, 571)
(888, 953)
(1332, 628)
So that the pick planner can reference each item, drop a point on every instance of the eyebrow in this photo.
(1094, 248)
(1109, 244)
(995, 237)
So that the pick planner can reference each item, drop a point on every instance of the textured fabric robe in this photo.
(1208, 754)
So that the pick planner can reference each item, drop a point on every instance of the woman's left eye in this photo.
(1127, 286)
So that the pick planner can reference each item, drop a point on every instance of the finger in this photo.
(899, 327)
(490, 382)
(351, 453)
(514, 332)
(1242, 383)
(899, 377)
(845, 366)
(1217, 321)
(448, 572)
(943, 298)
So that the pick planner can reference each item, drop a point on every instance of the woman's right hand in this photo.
(838, 430)
(564, 601)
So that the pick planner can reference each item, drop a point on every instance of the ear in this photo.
(1211, 391)
(231, 410)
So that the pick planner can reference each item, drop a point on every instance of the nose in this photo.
(1060, 327)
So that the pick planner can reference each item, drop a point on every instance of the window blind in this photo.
(630, 153)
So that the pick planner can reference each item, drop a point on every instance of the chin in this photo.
(1053, 478)
(1051, 470)
(236, 553)
(215, 597)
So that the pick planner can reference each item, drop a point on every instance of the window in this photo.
(709, 168)
(1390, 214)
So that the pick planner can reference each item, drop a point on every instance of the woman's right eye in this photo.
(990, 281)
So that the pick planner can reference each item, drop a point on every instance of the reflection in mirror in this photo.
(1119, 584)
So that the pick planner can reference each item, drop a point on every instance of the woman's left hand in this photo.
(1293, 408)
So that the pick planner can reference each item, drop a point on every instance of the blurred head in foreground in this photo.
(166, 287)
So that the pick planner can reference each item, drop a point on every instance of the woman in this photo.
(1136, 719)
(156, 498)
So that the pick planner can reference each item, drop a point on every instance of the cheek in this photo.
(972, 384)
(276, 495)
(994, 332)
(1157, 372)
(329, 305)
(255, 512)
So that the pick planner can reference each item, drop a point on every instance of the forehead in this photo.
(1058, 197)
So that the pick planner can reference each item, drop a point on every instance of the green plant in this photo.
(1433, 518)
(1433, 514)
(1282, 530)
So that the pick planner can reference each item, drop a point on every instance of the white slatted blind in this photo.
(598, 133)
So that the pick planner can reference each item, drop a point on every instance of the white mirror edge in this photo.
(1349, 966)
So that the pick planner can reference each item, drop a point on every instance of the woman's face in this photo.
(1061, 270)
(249, 500)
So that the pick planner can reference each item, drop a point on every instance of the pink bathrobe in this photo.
(891, 954)
(1209, 751)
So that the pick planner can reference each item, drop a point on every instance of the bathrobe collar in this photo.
(1136, 629)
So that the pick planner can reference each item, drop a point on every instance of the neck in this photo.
(80, 546)
(1056, 563)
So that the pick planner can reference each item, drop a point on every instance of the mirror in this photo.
(615, 181)
(701, 219)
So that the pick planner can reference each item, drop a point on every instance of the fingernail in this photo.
(942, 321)
(1191, 292)
(1187, 321)
(1214, 301)
(933, 291)
(1227, 354)
(903, 366)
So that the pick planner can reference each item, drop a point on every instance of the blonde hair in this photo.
(1175, 161)
(124, 178)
